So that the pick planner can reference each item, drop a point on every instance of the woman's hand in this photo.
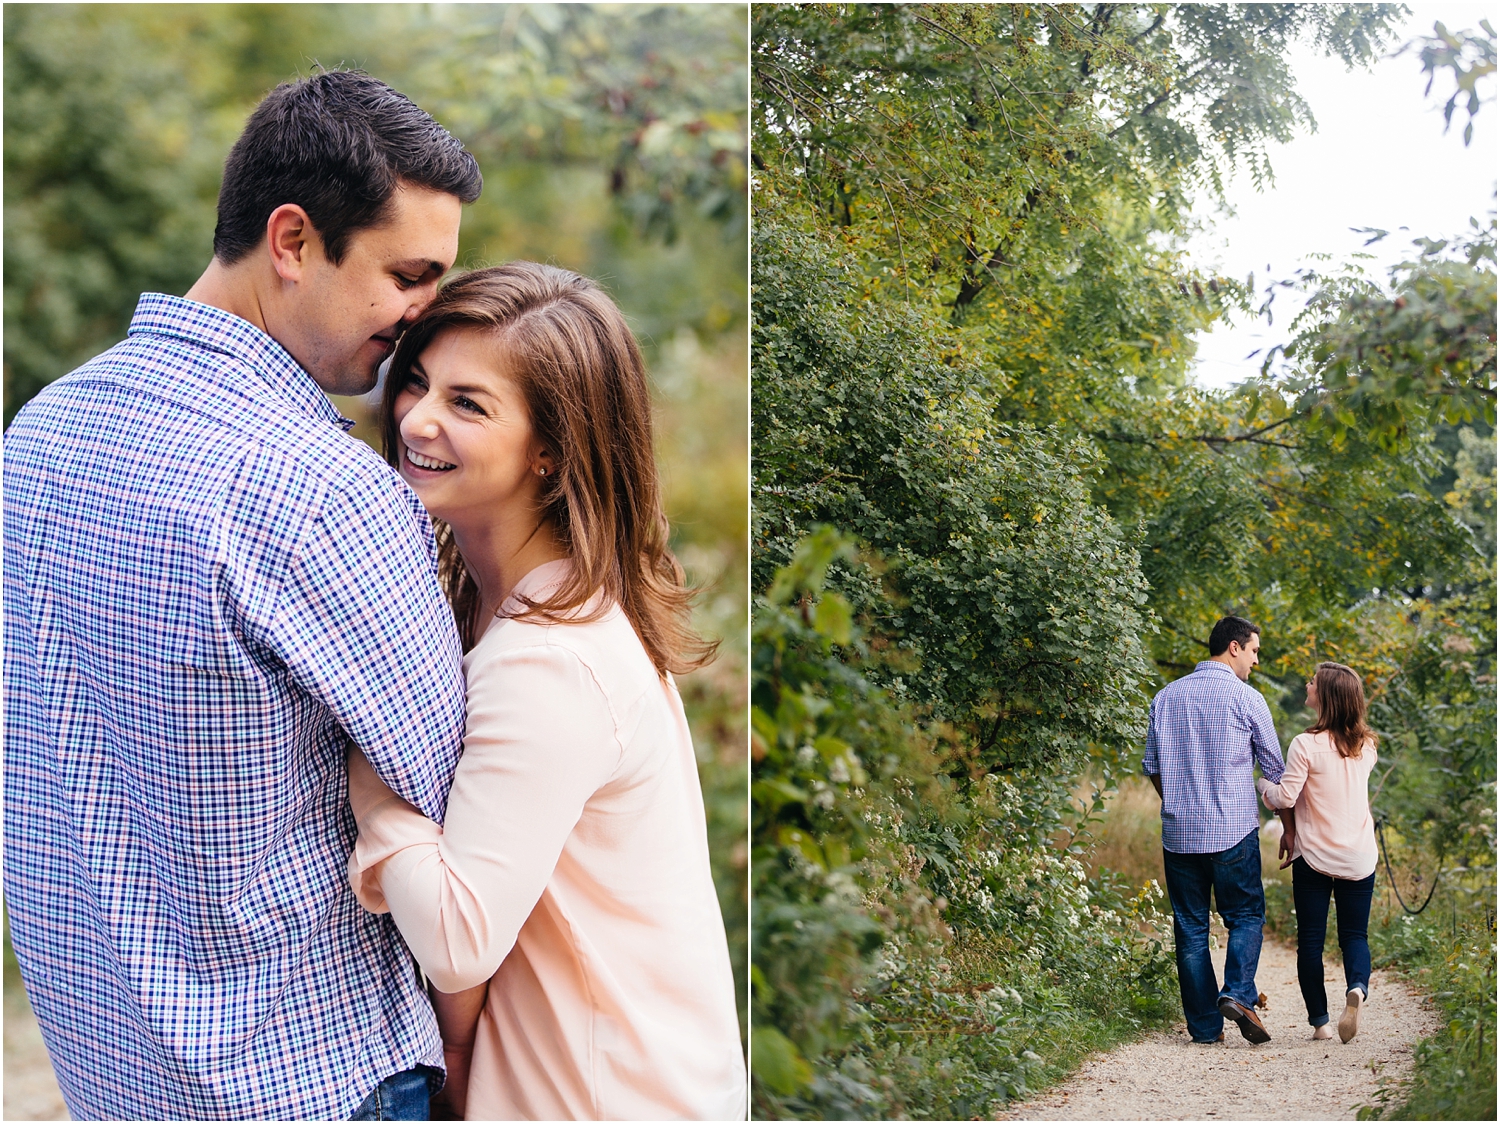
(1288, 837)
(457, 1061)
(458, 1020)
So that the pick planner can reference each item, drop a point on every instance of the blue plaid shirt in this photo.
(1207, 732)
(208, 585)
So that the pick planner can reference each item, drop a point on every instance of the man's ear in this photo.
(289, 239)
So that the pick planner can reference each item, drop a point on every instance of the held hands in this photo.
(1288, 845)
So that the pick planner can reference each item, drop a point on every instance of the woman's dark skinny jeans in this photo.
(1310, 893)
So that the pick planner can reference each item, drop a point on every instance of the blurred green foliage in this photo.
(612, 143)
(611, 140)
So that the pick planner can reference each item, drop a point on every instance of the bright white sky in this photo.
(1378, 159)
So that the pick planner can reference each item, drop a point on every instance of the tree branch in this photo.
(974, 280)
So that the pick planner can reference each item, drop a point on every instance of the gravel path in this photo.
(31, 1092)
(1167, 1077)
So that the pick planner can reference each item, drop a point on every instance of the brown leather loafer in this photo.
(1249, 1022)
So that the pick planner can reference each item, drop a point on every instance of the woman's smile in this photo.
(428, 464)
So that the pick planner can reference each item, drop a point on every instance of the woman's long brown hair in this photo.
(580, 370)
(1341, 709)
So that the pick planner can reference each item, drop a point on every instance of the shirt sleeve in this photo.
(540, 741)
(1264, 744)
(1150, 763)
(363, 627)
(1284, 795)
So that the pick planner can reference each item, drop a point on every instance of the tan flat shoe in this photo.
(1322, 1033)
(1349, 1021)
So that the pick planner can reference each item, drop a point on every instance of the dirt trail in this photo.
(1165, 1076)
(31, 1091)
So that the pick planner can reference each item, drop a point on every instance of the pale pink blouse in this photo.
(1331, 798)
(572, 872)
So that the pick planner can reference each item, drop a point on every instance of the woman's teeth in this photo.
(427, 462)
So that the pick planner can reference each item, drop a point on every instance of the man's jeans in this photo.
(1310, 893)
(1234, 878)
(402, 1096)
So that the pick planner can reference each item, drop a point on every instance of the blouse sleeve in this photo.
(539, 742)
(1284, 795)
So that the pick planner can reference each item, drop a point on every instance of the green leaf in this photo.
(775, 1061)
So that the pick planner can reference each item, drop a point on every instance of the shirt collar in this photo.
(1214, 665)
(206, 326)
(538, 584)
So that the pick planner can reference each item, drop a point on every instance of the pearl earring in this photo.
(541, 472)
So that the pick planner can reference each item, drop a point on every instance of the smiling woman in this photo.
(524, 392)
(568, 897)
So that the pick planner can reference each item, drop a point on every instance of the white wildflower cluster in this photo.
(991, 1004)
(842, 886)
(890, 963)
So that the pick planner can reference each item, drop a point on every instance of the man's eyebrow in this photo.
(418, 265)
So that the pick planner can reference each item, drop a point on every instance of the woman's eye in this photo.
(467, 404)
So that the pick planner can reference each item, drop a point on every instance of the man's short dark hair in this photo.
(1236, 629)
(337, 144)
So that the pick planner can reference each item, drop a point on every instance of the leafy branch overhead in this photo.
(1387, 360)
(1468, 57)
(963, 144)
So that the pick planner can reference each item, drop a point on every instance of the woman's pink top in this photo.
(1331, 797)
(572, 873)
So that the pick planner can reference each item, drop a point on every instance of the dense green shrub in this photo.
(1010, 604)
(1449, 954)
(922, 946)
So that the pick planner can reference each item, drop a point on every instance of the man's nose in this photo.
(421, 297)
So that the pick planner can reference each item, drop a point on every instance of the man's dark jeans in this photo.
(402, 1096)
(1233, 876)
(1310, 893)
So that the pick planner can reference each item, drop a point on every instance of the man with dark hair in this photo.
(1207, 732)
(209, 589)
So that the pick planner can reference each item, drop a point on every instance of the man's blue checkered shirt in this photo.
(1207, 732)
(208, 584)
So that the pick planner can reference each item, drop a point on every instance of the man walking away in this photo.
(1208, 730)
(209, 588)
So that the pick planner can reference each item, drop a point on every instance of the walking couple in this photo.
(262, 723)
(1208, 730)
